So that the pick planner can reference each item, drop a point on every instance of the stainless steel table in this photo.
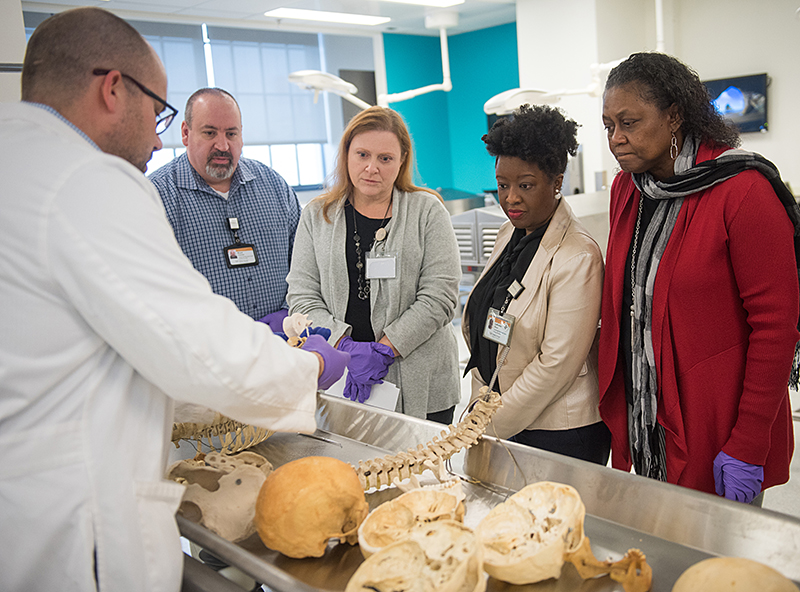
(675, 527)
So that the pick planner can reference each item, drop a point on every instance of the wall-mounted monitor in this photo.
(742, 100)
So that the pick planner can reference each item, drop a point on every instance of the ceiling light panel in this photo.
(435, 3)
(326, 17)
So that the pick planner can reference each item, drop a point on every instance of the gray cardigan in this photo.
(413, 310)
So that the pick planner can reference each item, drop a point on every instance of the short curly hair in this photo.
(538, 134)
(663, 80)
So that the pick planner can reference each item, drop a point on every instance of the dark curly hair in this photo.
(663, 81)
(537, 134)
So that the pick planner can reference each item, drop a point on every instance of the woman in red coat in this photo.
(700, 299)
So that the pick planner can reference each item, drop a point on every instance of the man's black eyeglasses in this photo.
(167, 114)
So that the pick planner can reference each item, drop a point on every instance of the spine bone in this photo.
(403, 465)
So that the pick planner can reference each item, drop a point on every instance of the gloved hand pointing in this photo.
(737, 480)
(335, 361)
(369, 363)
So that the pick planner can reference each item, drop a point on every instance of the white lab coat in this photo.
(102, 319)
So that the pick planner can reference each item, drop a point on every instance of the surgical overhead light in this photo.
(507, 101)
(319, 81)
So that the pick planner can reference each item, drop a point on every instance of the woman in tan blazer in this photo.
(546, 272)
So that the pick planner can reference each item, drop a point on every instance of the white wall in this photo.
(12, 47)
(556, 43)
(721, 38)
(559, 39)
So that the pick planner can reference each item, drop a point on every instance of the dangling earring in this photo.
(673, 147)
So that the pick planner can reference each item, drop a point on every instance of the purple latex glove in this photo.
(369, 363)
(335, 361)
(324, 331)
(275, 320)
(737, 480)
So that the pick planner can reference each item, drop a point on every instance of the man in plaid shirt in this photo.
(235, 218)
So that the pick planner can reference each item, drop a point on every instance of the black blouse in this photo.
(491, 292)
(358, 311)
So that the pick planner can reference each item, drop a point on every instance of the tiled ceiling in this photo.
(406, 18)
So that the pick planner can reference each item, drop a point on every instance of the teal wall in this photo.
(412, 62)
(483, 64)
(447, 127)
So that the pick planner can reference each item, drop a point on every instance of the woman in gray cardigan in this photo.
(376, 261)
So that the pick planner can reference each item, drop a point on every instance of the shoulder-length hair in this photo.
(380, 119)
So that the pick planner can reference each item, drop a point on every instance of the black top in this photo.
(648, 210)
(491, 292)
(358, 311)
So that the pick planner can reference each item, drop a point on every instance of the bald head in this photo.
(206, 92)
(64, 49)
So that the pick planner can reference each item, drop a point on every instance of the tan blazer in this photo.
(549, 379)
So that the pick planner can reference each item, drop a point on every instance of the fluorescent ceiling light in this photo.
(327, 17)
(436, 3)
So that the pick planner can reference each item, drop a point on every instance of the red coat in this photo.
(725, 312)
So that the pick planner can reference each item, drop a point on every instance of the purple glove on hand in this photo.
(275, 319)
(369, 363)
(324, 331)
(737, 480)
(335, 361)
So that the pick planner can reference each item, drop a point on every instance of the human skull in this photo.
(441, 556)
(724, 574)
(307, 502)
(526, 538)
(221, 491)
(393, 520)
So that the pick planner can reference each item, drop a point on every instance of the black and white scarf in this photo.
(646, 435)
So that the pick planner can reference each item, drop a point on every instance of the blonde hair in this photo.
(380, 119)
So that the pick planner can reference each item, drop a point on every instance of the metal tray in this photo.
(675, 527)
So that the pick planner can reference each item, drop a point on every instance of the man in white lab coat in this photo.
(104, 322)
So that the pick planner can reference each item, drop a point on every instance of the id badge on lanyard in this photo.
(499, 324)
(239, 254)
(381, 265)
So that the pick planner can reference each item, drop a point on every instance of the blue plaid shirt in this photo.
(268, 213)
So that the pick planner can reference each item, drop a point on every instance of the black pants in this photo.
(591, 442)
(445, 417)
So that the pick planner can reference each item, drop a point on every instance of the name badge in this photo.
(498, 327)
(383, 266)
(241, 255)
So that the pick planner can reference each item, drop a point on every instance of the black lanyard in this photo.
(239, 254)
(514, 290)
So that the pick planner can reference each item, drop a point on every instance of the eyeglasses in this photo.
(167, 114)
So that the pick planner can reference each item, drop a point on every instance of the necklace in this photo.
(380, 234)
(633, 264)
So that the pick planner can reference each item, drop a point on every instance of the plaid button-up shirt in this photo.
(268, 212)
